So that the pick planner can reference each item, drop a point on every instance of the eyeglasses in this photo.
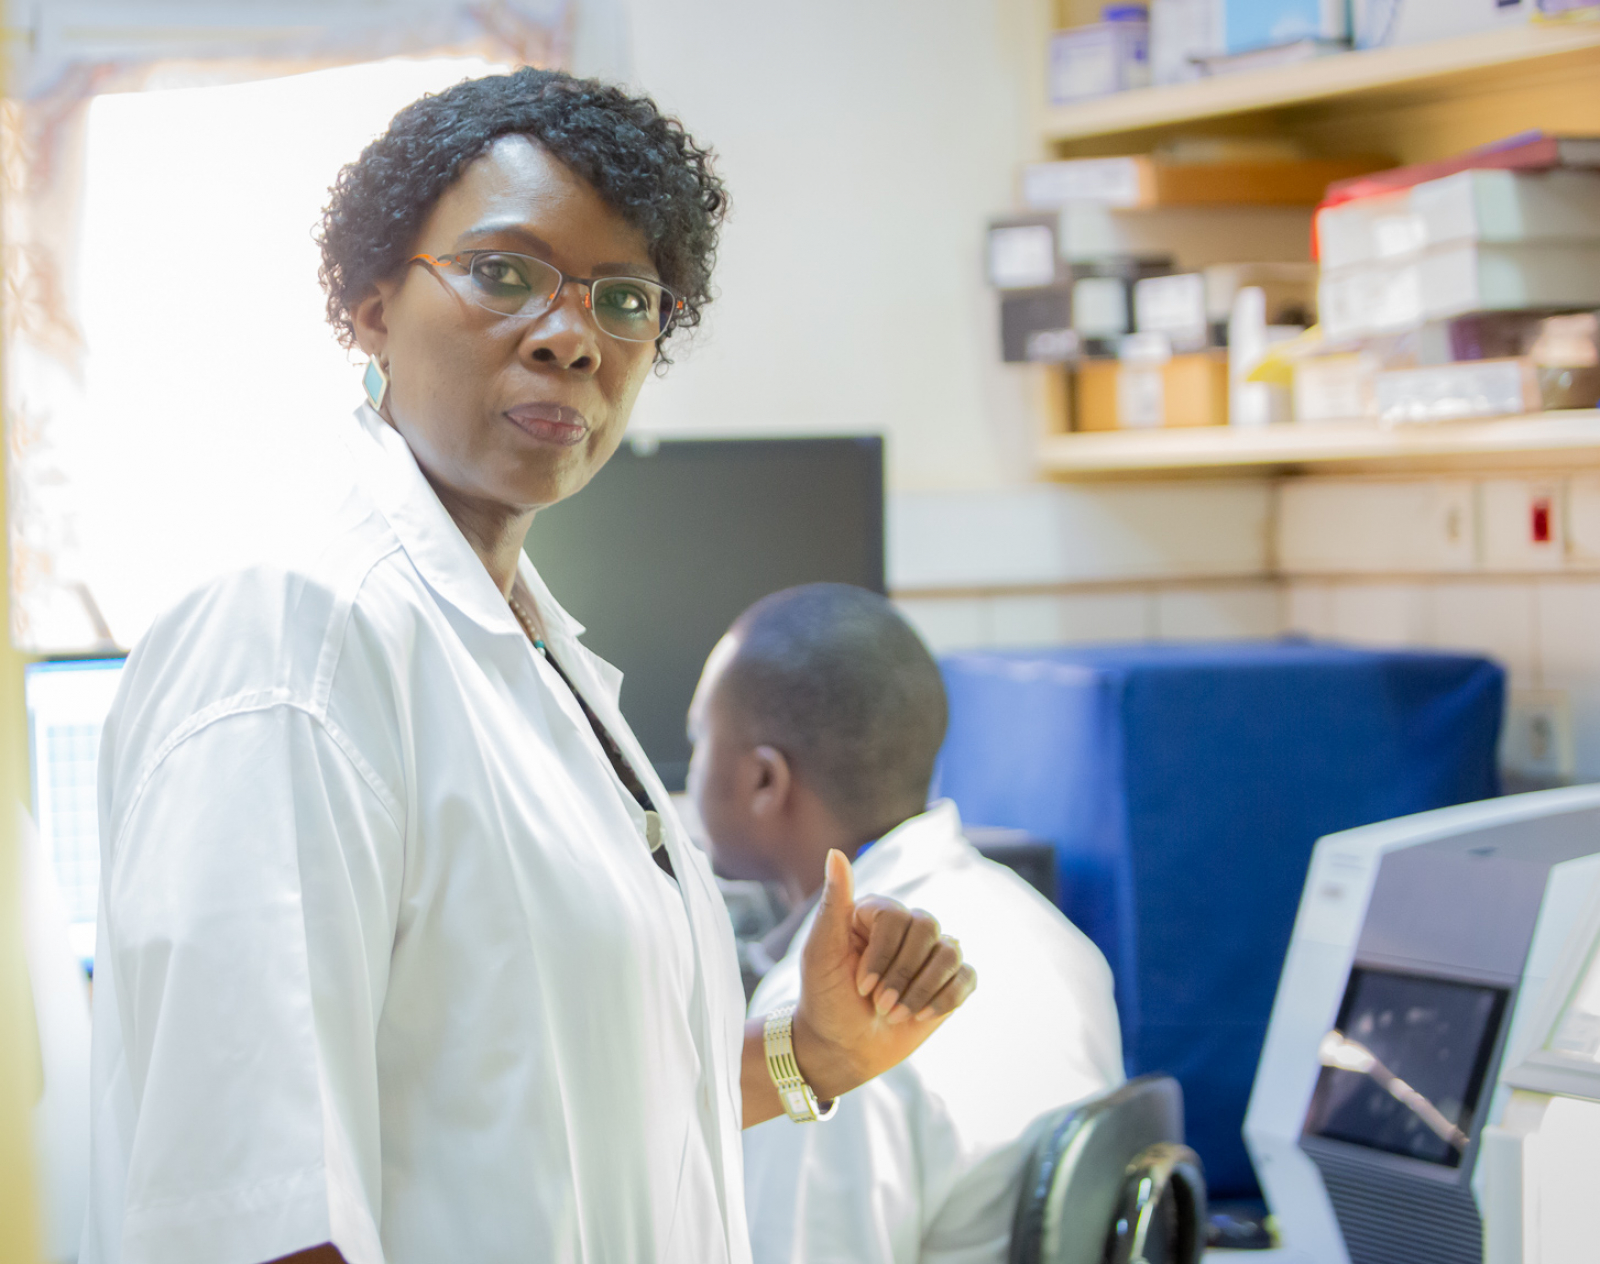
(633, 309)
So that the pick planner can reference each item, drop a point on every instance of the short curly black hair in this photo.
(641, 163)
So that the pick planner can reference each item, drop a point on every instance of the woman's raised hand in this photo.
(876, 980)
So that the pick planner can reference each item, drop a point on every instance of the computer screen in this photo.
(67, 706)
(1404, 1068)
(674, 539)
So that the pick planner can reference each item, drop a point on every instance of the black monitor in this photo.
(1430, 1041)
(674, 538)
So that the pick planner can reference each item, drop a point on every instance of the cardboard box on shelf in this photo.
(1094, 395)
(1185, 390)
(1141, 181)
(1188, 236)
(1196, 389)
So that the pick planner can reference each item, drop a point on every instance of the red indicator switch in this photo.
(1541, 520)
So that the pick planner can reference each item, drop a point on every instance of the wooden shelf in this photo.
(1549, 440)
(1490, 63)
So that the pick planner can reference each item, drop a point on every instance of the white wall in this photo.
(864, 145)
(1453, 562)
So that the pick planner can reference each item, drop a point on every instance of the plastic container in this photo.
(1109, 56)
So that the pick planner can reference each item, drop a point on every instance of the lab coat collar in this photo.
(388, 473)
(894, 865)
(913, 850)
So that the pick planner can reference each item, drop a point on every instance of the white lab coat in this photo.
(384, 957)
(924, 1163)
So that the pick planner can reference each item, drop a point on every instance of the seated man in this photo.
(815, 726)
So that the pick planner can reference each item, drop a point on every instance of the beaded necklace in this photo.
(619, 761)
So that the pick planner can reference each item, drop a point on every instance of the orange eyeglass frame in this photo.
(438, 261)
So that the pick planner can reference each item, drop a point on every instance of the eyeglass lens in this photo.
(629, 308)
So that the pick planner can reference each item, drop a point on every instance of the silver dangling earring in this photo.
(375, 382)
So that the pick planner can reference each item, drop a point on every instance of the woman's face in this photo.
(507, 414)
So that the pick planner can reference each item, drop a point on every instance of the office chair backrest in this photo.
(1111, 1182)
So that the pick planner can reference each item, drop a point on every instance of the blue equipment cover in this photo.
(1184, 787)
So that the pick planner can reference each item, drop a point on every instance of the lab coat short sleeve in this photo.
(251, 902)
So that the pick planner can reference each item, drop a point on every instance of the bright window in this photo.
(214, 383)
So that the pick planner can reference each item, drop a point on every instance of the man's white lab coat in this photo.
(384, 958)
(923, 1163)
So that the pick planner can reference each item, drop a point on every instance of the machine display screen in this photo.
(1403, 1070)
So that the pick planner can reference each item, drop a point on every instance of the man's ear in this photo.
(773, 782)
(372, 332)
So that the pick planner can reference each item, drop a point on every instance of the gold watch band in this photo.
(798, 1100)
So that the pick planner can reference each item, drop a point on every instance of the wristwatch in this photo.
(798, 1099)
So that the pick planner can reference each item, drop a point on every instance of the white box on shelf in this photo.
(1336, 388)
(1370, 299)
(1483, 277)
(1455, 392)
(1097, 60)
(1173, 305)
(1367, 230)
(1181, 31)
(1100, 307)
(1509, 207)
(1022, 256)
(1378, 23)
(1109, 182)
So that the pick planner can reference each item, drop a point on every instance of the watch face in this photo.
(795, 1103)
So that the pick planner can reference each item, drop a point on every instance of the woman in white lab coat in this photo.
(404, 955)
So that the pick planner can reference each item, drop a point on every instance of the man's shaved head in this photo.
(834, 678)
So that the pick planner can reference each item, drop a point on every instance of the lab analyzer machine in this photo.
(1421, 953)
(1540, 1162)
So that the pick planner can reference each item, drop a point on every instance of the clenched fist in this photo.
(876, 980)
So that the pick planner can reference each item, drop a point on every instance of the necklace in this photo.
(527, 624)
(619, 761)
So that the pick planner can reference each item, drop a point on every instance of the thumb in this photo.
(830, 933)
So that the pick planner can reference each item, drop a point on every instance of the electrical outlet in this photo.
(1536, 741)
(1523, 524)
